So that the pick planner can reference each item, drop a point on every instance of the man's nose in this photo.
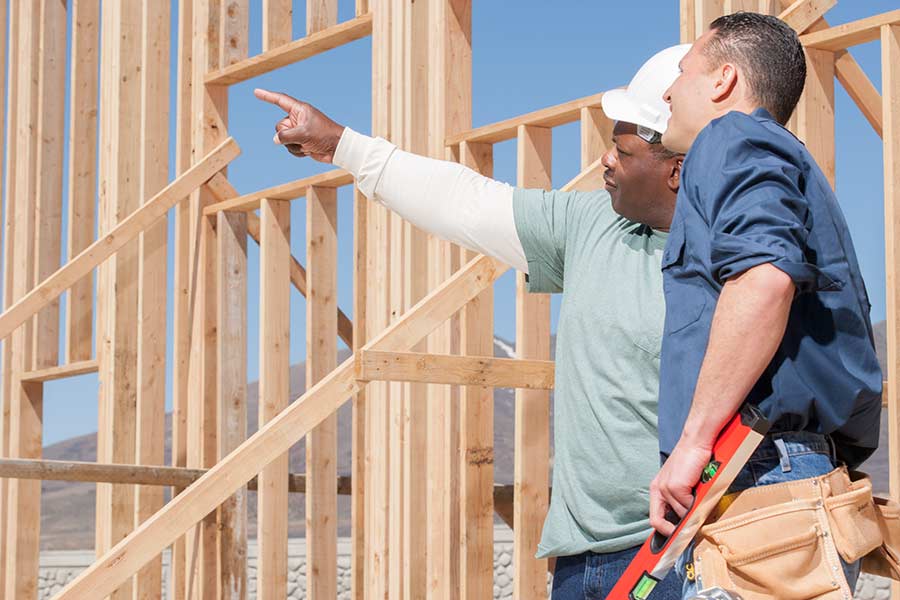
(609, 159)
(667, 95)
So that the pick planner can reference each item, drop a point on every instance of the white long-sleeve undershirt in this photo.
(443, 198)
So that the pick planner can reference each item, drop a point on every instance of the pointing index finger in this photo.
(282, 101)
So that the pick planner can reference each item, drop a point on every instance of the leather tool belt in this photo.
(786, 540)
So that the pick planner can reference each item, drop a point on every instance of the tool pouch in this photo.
(885, 559)
(784, 540)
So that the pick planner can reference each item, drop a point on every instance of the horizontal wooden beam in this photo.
(287, 191)
(841, 37)
(292, 52)
(127, 230)
(552, 116)
(375, 365)
(65, 470)
(73, 369)
(803, 13)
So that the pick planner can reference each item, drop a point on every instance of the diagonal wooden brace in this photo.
(67, 275)
(275, 438)
(282, 432)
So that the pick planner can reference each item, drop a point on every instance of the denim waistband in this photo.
(779, 444)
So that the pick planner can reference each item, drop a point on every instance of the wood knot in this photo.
(480, 456)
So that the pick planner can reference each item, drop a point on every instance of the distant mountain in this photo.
(61, 501)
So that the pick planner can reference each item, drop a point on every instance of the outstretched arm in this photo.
(440, 197)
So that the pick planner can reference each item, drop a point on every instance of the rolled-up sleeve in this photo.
(758, 215)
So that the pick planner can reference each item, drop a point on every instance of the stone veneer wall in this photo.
(59, 567)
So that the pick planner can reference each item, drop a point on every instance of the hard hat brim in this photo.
(618, 106)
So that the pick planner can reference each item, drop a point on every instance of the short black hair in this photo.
(661, 153)
(770, 54)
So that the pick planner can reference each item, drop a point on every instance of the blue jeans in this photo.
(592, 576)
(780, 457)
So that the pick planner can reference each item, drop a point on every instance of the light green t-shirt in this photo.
(607, 365)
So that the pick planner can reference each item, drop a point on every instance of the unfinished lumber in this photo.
(220, 186)
(451, 369)
(22, 528)
(277, 30)
(289, 52)
(803, 13)
(705, 12)
(321, 359)
(82, 171)
(553, 116)
(127, 230)
(358, 413)
(814, 114)
(275, 437)
(152, 277)
(235, 32)
(73, 369)
(596, 135)
(859, 87)
(320, 15)
(287, 191)
(476, 420)
(532, 431)
(181, 345)
(843, 36)
(274, 389)
(9, 211)
(63, 470)
(231, 345)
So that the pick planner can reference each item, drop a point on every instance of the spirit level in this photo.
(733, 448)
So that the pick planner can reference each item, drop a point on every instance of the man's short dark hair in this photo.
(661, 153)
(770, 54)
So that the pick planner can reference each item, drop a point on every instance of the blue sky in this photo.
(537, 55)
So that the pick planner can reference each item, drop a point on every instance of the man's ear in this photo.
(674, 178)
(725, 82)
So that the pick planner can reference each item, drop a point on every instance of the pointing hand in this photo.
(305, 131)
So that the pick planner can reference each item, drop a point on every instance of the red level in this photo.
(733, 448)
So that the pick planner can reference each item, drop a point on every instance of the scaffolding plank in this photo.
(532, 430)
(82, 171)
(274, 389)
(289, 52)
(321, 359)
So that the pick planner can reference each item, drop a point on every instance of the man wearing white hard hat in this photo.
(602, 251)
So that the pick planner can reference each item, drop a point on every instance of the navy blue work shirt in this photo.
(751, 194)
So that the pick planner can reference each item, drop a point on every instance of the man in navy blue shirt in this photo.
(764, 298)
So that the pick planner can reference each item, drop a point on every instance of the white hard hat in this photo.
(642, 101)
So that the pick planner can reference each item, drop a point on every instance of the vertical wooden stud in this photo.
(687, 21)
(235, 24)
(277, 26)
(118, 283)
(274, 387)
(477, 426)
(181, 327)
(231, 343)
(532, 434)
(705, 12)
(9, 264)
(362, 7)
(82, 170)
(23, 519)
(815, 110)
(596, 135)
(321, 358)
(151, 357)
(733, 6)
(358, 424)
(320, 14)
